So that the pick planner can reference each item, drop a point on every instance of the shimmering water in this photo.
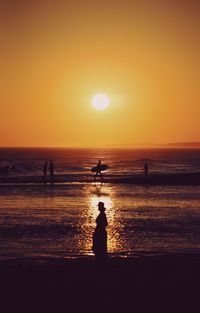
(58, 221)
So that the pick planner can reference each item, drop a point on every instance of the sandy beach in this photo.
(147, 283)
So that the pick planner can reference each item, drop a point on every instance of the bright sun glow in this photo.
(100, 102)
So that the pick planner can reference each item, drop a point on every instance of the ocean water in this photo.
(38, 221)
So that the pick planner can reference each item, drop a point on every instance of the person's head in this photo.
(101, 207)
(99, 162)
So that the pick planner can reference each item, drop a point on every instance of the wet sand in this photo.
(167, 283)
(136, 179)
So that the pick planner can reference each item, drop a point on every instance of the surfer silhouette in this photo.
(146, 168)
(51, 170)
(99, 246)
(98, 172)
(98, 169)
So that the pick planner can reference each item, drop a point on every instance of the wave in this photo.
(10, 169)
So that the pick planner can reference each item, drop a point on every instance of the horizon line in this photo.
(187, 144)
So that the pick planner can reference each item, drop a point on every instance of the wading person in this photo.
(44, 169)
(100, 235)
(51, 170)
(146, 168)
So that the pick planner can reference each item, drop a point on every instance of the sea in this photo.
(46, 222)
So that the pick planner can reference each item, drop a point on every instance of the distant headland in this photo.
(180, 145)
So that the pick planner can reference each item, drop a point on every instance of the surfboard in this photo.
(98, 168)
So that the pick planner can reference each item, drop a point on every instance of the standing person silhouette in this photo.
(100, 235)
(51, 170)
(98, 172)
(44, 169)
(146, 168)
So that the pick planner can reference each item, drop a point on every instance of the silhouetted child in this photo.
(51, 170)
(100, 235)
(98, 172)
(146, 168)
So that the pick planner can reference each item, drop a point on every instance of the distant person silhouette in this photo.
(45, 167)
(146, 168)
(98, 172)
(51, 170)
(100, 235)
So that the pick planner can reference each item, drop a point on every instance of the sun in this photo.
(100, 101)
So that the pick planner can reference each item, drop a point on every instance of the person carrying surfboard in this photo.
(98, 172)
(98, 169)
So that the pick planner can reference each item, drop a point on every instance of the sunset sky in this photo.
(56, 55)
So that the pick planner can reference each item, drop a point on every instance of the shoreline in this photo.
(136, 179)
(112, 257)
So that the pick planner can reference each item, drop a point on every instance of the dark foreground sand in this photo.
(142, 284)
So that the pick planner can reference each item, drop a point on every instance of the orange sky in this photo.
(55, 55)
